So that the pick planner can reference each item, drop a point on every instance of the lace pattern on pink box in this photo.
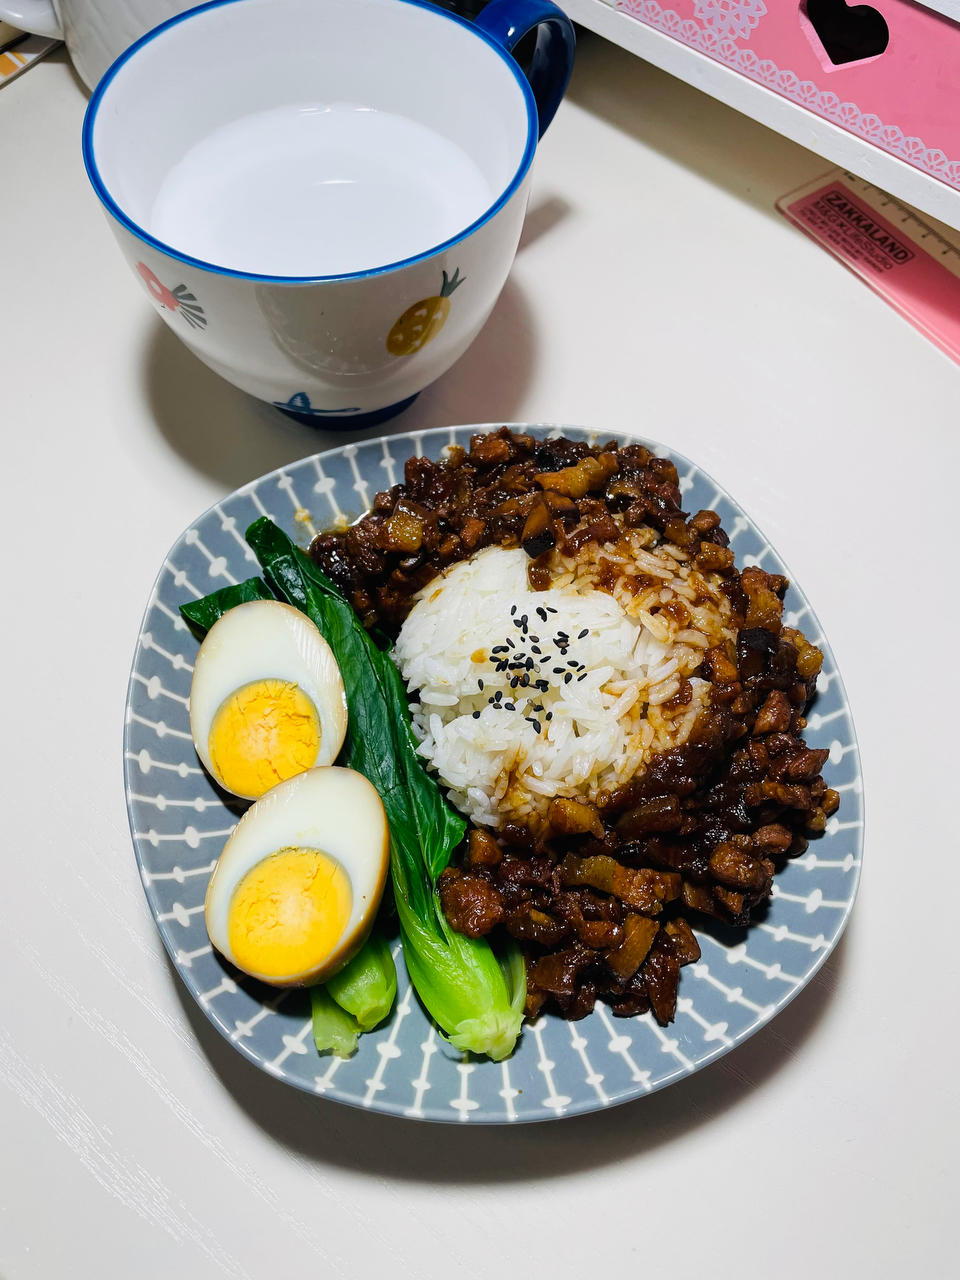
(715, 31)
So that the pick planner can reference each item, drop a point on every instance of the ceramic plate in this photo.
(179, 824)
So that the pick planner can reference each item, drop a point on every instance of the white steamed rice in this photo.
(504, 751)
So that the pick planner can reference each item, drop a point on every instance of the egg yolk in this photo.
(264, 733)
(288, 913)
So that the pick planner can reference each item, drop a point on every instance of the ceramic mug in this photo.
(95, 31)
(358, 342)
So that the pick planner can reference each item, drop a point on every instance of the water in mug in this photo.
(318, 190)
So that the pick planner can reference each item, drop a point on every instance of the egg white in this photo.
(331, 809)
(260, 640)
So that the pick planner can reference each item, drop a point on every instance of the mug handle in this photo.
(508, 21)
(38, 16)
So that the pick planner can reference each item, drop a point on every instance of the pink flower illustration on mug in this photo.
(178, 299)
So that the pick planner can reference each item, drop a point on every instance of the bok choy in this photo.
(367, 986)
(476, 999)
(334, 1029)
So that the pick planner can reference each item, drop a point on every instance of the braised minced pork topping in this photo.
(602, 894)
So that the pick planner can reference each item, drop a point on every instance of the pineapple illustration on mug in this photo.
(424, 319)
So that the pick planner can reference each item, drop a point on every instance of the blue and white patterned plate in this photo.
(180, 822)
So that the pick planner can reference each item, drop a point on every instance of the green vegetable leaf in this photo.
(334, 1030)
(439, 827)
(200, 615)
(380, 742)
(367, 986)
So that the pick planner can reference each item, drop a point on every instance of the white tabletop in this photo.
(657, 290)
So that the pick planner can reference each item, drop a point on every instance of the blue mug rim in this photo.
(108, 202)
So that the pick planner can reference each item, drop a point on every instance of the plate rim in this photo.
(587, 1105)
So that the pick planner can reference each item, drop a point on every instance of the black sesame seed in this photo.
(480, 685)
(536, 726)
(535, 639)
(583, 677)
(572, 662)
(510, 643)
(498, 695)
(551, 609)
(548, 716)
(514, 682)
(584, 632)
(500, 648)
(538, 707)
(541, 613)
(558, 671)
(513, 610)
(509, 706)
(568, 677)
(529, 664)
(535, 648)
(476, 715)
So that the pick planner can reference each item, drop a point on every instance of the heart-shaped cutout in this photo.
(848, 33)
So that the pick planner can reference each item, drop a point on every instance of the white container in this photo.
(358, 343)
(96, 31)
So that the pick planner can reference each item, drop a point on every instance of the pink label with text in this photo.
(918, 284)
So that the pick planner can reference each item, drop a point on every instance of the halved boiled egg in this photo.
(296, 888)
(267, 699)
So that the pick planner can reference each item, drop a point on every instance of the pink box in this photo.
(905, 99)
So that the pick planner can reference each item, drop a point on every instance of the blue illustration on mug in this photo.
(300, 403)
(179, 299)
